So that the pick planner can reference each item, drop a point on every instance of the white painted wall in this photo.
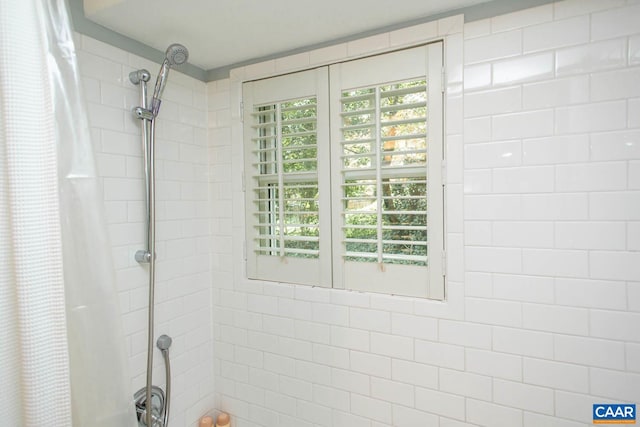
(183, 292)
(543, 310)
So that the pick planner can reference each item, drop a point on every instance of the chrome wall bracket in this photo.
(143, 256)
(137, 76)
(143, 113)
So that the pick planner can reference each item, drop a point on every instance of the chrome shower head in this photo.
(177, 54)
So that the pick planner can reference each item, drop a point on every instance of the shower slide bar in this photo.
(176, 54)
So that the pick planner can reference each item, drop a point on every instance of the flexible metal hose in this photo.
(167, 370)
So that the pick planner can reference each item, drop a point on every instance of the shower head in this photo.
(176, 54)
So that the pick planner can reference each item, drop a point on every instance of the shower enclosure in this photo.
(152, 403)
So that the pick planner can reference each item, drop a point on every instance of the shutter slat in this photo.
(405, 242)
(361, 112)
(294, 252)
(388, 227)
(401, 137)
(358, 127)
(301, 213)
(350, 254)
(289, 186)
(403, 152)
(359, 241)
(402, 197)
(410, 258)
(407, 212)
(404, 91)
(301, 134)
(399, 122)
(353, 98)
(360, 227)
(301, 238)
(300, 107)
(302, 120)
(357, 141)
(290, 238)
(264, 125)
(403, 107)
(388, 172)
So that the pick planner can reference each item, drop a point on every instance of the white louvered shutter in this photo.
(288, 222)
(387, 151)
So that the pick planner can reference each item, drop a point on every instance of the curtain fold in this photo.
(62, 358)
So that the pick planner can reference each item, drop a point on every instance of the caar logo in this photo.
(614, 414)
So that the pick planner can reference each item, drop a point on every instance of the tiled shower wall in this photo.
(551, 209)
(543, 210)
(183, 291)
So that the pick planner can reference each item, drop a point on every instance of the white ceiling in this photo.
(219, 33)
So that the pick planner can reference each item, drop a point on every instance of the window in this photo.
(343, 175)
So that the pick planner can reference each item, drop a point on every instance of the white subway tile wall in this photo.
(545, 323)
(183, 290)
(543, 294)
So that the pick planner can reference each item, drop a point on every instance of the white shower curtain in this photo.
(62, 359)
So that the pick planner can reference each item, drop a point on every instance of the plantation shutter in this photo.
(387, 150)
(288, 222)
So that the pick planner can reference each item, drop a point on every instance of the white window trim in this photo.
(409, 280)
(450, 30)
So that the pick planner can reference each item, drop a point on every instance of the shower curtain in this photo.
(62, 358)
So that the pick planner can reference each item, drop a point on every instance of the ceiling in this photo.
(220, 33)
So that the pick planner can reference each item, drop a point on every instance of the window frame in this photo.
(389, 278)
